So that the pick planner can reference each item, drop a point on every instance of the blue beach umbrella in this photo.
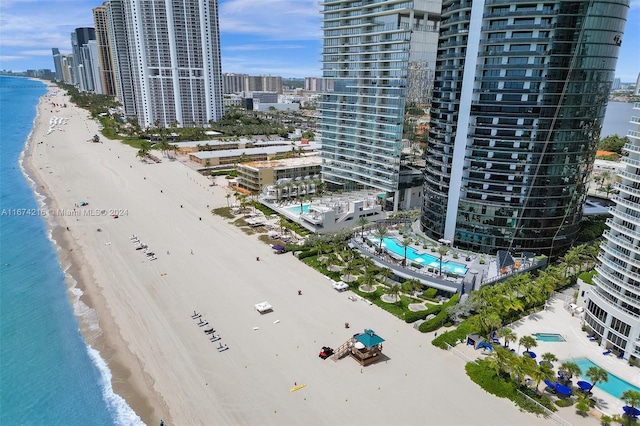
(549, 383)
(631, 411)
(563, 390)
(585, 386)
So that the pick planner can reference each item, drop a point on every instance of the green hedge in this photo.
(430, 293)
(441, 317)
(452, 337)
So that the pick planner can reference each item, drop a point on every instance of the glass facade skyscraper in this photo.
(368, 48)
(520, 93)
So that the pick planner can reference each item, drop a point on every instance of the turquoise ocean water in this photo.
(48, 374)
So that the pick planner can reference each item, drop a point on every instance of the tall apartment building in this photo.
(520, 94)
(236, 83)
(317, 84)
(82, 62)
(170, 54)
(613, 307)
(57, 62)
(369, 47)
(233, 83)
(105, 64)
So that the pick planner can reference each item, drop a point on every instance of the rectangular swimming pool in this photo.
(615, 386)
(298, 209)
(549, 337)
(392, 245)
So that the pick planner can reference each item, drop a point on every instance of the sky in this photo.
(257, 37)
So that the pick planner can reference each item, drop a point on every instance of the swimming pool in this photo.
(296, 209)
(392, 245)
(549, 337)
(615, 386)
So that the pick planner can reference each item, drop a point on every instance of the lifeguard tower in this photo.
(363, 347)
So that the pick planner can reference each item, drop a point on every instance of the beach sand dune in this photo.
(162, 361)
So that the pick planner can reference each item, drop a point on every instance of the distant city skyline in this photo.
(281, 37)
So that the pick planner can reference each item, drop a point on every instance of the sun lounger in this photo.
(222, 347)
(593, 339)
(196, 315)
(215, 338)
(203, 324)
(209, 330)
(607, 352)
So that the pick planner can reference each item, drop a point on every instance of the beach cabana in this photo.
(474, 340)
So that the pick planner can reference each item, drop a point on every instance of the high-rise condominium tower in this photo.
(520, 93)
(613, 309)
(369, 47)
(107, 79)
(172, 60)
(82, 79)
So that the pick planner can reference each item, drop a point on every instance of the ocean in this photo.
(48, 374)
(616, 119)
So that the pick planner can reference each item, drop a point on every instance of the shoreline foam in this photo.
(100, 343)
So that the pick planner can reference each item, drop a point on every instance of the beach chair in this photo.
(203, 324)
(196, 315)
(222, 348)
(215, 338)
(209, 330)
(607, 352)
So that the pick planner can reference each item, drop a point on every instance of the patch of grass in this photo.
(224, 212)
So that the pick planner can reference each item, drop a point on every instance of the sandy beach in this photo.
(162, 362)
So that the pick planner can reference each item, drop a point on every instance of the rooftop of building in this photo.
(309, 159)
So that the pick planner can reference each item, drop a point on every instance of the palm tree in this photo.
(507, 334)
(632, 398)
(368, 281)
(405, 243)
(500, 359)
(362, 222)
(442, 250)
(596, 375)
(145, 147)
(381, 232)
(228, 196)
(411, 285)
(385, 275)
(520, 367)
(528, 342)
(349, 269)
(571, 368)
(541, 372)
(486, 321)
(549, 358)
(394, 290)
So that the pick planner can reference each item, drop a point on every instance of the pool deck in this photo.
(556, 318)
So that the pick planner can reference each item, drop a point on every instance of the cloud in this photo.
(273, 20)
(10, 58)
(249, 47)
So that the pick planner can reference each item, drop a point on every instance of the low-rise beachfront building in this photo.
(185, 148)
(303, 173)
(225, 157)
(323, 215)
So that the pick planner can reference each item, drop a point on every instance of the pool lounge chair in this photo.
(215, 338)
(607, 352)
(222, 347)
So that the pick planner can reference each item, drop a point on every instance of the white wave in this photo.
(124, 415)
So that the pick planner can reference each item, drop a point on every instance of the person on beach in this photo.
(192, 252)
(257, 259)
